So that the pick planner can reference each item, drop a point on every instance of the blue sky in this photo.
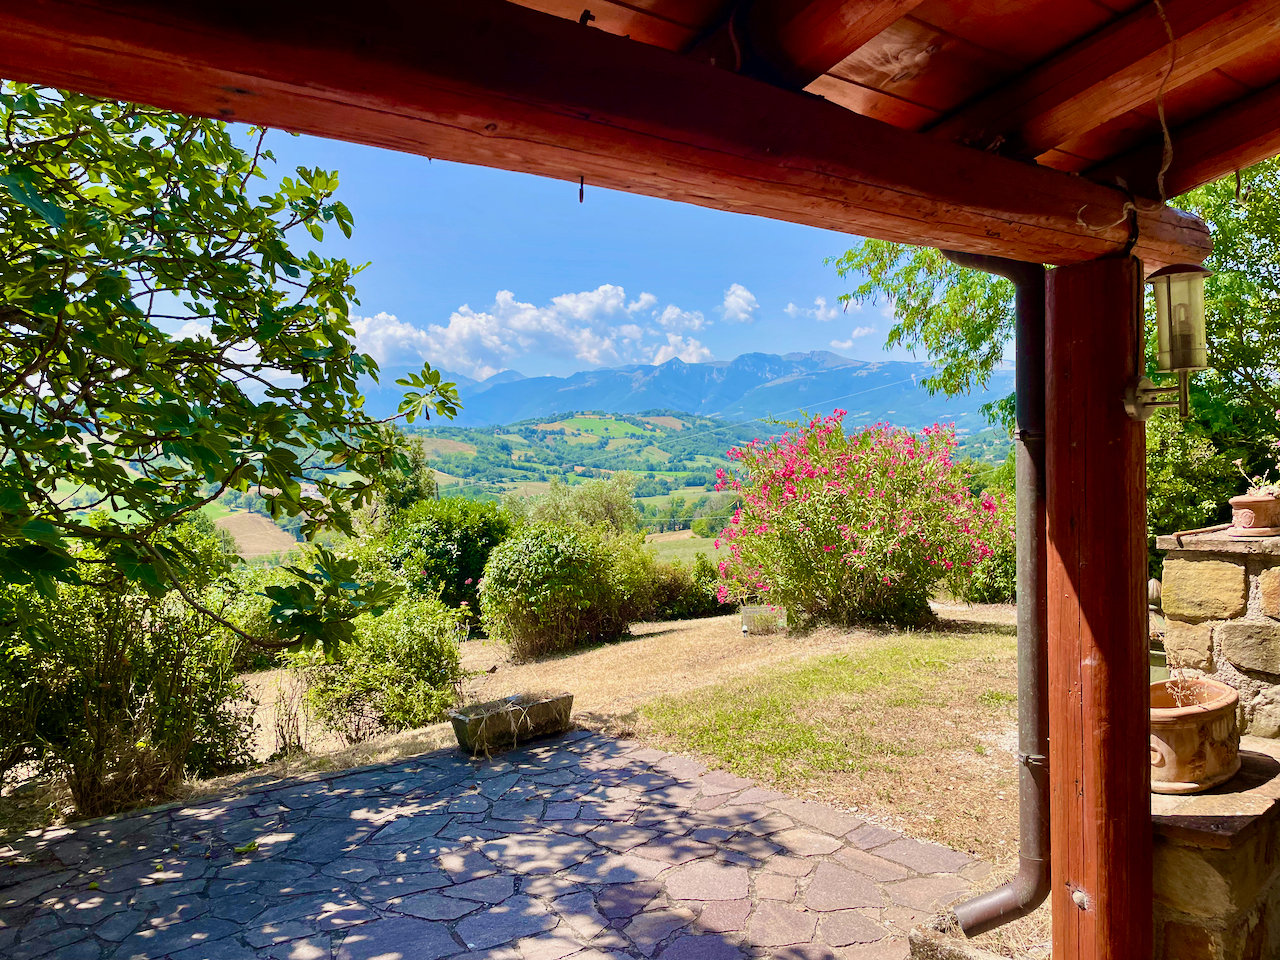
(479, 270)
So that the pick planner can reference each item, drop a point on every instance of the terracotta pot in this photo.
(1252, 511)
(1195, 736)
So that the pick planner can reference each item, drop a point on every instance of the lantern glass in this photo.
(1179, 293)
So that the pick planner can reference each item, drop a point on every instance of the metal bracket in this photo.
(1033, 760)
(1141, 397)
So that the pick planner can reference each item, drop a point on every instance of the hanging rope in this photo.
(1166, 158)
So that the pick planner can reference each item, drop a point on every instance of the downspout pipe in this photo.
(1029, 887)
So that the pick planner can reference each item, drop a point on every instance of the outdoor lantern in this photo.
(1180, 338)
(1179, 292)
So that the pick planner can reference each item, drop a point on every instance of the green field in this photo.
(689, 493)
(602, 427)
(216, 510)
(684, 549)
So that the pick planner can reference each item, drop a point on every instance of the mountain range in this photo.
(753, 386)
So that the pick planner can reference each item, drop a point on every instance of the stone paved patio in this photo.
(582, 847)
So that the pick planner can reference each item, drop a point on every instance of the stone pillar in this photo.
(1217, 865)
(1221, 602)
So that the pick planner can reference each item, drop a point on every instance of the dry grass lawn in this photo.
(916, 729)
(255, 535)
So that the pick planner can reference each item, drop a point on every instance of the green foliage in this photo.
(1237, 399)
(994, 578)
(241, 598)
(684, 592)
(607, 504)
(321, 604)
(120, 692)
(963, 318)
(554, 588)
(440, 547)
(706, 527)
(120, 224)
(705, 515)
(1188, 480)
(399, 483)
(398, 671)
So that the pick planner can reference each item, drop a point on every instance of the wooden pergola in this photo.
(1027, 129)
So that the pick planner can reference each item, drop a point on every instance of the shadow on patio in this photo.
(582, 847)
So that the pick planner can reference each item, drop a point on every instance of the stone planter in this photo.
(486, 727)
(1255, 515)
(1195, 737)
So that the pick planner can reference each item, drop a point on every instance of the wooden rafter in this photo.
(495, 84)
(1116, 70)
(794, 43)
(1212, 146)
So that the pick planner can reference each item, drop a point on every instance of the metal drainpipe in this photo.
(1029, 887)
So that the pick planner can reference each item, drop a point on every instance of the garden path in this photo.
(580, 847)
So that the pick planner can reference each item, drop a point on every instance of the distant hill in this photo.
(754, 386)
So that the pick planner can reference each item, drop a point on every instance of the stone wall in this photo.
(1217, 865)
(1221, 602)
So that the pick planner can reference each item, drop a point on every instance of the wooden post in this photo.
(1099, 716)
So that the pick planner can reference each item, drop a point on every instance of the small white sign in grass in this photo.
(761, 619)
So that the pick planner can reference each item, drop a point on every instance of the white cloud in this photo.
(739, 305)
(856, 333)
(686, 348)
(673, 318)
(594, 327)
(646, 301)
(819, 311)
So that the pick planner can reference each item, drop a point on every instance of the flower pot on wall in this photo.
(1255, 515)
(1195, 734)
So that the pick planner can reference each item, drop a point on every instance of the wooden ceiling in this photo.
(1023, 128)
(1076, 85)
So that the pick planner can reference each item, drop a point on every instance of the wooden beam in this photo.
(492, 83)
(1232, 138)
(1099, 707)
(1115, 70)
(794, 43)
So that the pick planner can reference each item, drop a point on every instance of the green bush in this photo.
(440, 547)
(246, 605)
(993, 579)
(123, 696)
(553, 588)
(1189, 481)
(402, 671)
(682, 592)
(605, 505)
(706, 527)
(119, 692)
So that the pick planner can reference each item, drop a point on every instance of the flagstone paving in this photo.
(583, 847)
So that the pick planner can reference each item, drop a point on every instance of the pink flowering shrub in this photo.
(853, 528)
